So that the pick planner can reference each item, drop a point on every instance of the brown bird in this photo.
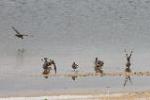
(128, 58)
(47, 64)
(19, 35)
(74, 66)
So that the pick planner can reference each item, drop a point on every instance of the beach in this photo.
(144, 95)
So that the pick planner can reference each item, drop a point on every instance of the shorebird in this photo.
(127, 69)
(19, 35)
(74, 66)
(98, 65)
(128, 58)
(47, 64)
(74, 77)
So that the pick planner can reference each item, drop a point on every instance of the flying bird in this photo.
(19, 35)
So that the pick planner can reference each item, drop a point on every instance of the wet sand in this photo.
(143, 95)
(86, 74)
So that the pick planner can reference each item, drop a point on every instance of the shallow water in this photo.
(24, 73)
(67, 31)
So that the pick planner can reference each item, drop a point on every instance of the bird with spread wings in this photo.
(18, 34)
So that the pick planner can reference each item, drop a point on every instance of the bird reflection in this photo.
(20, 57)
(74, 76)
(46, 72)
(75, 71)
(128, 70)
(127, 76)
(45, 76)
(98, 70)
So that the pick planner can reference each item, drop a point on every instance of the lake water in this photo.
(72, 30)
(21, 72)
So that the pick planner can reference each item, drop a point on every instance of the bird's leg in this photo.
(130, 80)
(55, 68)
(125, 82)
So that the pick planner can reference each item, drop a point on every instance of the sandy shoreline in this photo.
(86, 74)
(143, 95)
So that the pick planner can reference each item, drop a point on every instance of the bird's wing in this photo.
(15, 30)
(25, 35)
(55, 68)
